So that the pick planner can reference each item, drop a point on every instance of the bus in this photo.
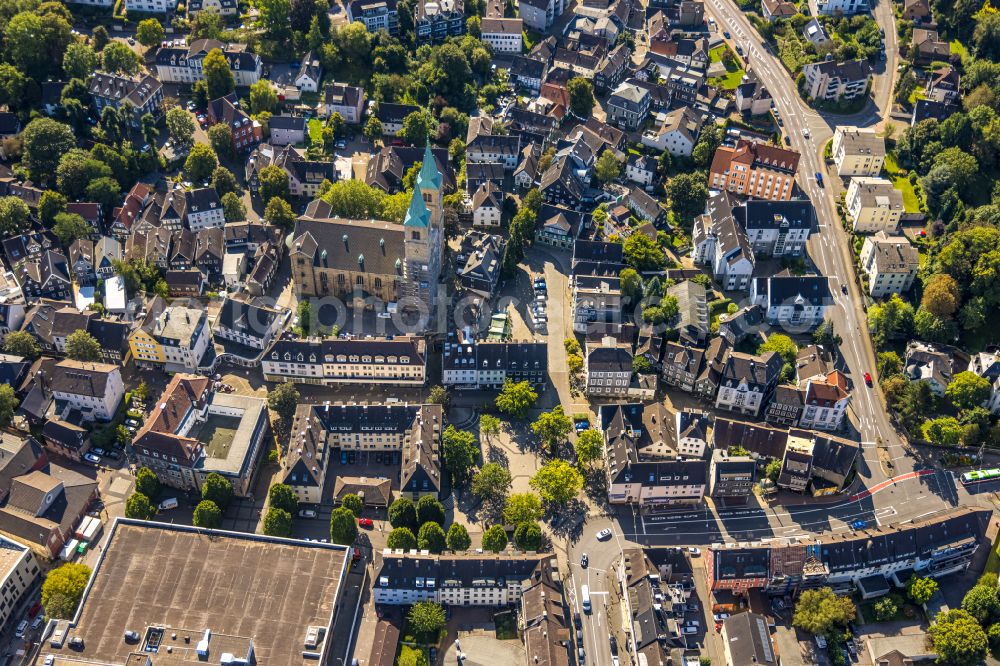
(585, 595)
(980, 475)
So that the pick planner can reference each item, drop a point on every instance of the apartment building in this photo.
(596, 303)
(18, 572)
(873, 204)
(754, 169)
(93, 389)
(833, 81)
(143, 93)
(747, 381)
(890, 262)
(176, 338)
(858, 151)
(608, 368)
(795, 302)
(401, 361)
(478, 365)
(375, 15)
(179, 62)
(502, 34)
(720, 242)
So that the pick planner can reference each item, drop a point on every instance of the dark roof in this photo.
(370, 246)
(585, 250)
(609, 359)
(286, 122)
(750, 639)
(394, 113)
(110, 334)
(764, 214)
(781, 289)
(850, 70)
(927, 108)
(758, 439)
(81, 378)
(834, 455)
(737, 563)
(341, 94)
(252, 320)
(527, 67)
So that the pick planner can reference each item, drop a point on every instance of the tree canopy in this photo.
(516, 398)
(818, 611)
(557, 482)
(63, 588)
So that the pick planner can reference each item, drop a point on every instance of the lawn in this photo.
(911, 193)
(506, 625)
(734, 74)
(316, 131)
(958, 47)
(917, 93)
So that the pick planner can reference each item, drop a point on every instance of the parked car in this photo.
(307, 513)
(694, 551)
(719, 617)
(584, 560)
(690, 630)
(21, 628)
(604, 534)
(366, 523)
(91, 458)
(858, 525)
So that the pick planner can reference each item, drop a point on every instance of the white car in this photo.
(690, 630)
(719, 617)
(694, 551)
(307, 513)
(604, 534)
(91, 458)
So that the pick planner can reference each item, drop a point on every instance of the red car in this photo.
(366, 523)
(868, 379)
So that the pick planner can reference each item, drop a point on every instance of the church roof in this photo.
(429, 176)
(417, 214)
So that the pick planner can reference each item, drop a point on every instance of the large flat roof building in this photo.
(195, 596)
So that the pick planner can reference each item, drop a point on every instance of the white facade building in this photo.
(873, 204)
(858, 151)
(890, 262)
(95, 389)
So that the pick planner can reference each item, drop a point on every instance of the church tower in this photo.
(424, 227)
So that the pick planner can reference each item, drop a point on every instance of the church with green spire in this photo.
(357, 260)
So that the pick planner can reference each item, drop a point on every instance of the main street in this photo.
(829, 246)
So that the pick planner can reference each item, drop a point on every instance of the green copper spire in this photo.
(417, 214)
(429, 176)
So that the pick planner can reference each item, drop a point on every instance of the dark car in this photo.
(725, 33)
(819, 179)
(858, 525)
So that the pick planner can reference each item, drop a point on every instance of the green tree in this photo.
(943, 431)
(353, 502)
(515, 399)
(82, 346)
(149, 32)
(218, 489)
(218, 77)
(36, 43)
(552, 427)
(8, 403)
(431, 537)
(403, 513)
(44, 141)
(522, 508)
(688, 194)
(343, 526)
(458, 538)
(224, 181)
(489, 426)
(885, 609)
(417, 128)
(273, 183)
(21, 343)
(51, 204)
(528, 536)
(981, 603)
(63, 588)
(200, 163)
(100, 38)
(401, 538)
(139, 507)
(429, 509)
(818, 611)
(274, 18)
(277, 522)
(262, 97)
(889, 363)
(921, 589)
(207, 515)
(643, 254)
(69, 227)
(281, 496)
(631, 285)
(958, 638)
(221, 139)
(932, 328)
(460, 452)
(439, 396)
(968, 390)
(147, 483)
(233, 208)
(589, 447)
(890, 320)
(557, 482)
(180, 126)
(104, 191)
(495, 539)
(79, 61)
(491, 485)
(942, 295)
(283, 400)
(373, 128)
(118, 58)
(607, 168)
(426, 618)
(581, 97)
